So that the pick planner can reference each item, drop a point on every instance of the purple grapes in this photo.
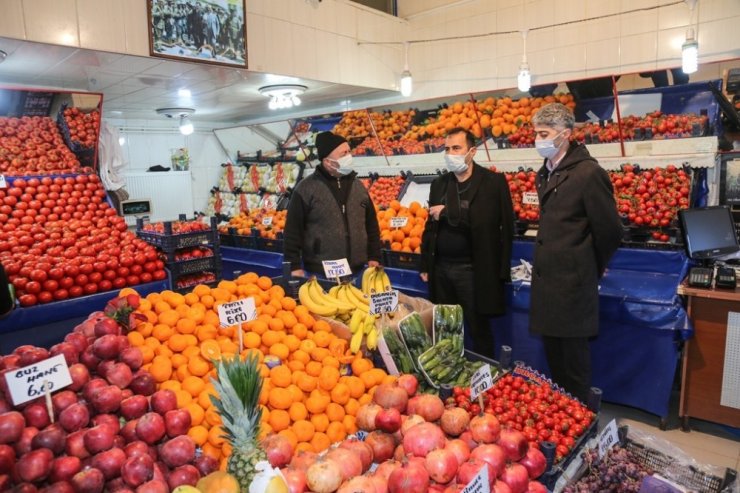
(618, 472)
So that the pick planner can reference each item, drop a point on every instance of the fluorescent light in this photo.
(407, 84)
(184, 93)
(186, 127)
(690, 53)
(524, 78)
(121, 141)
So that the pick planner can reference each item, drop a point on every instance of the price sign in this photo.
(33, 381)
(399, 222)
(608, 437)
(361, 435)
(385, 302)
(480, 483)
(530, 198)
(237, 312)
(336, 268)
(3, 183)
(267, 221)
(481, 381)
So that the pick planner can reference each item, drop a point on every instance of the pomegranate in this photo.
(388, 420)
(411, 477)
(154, 486)
(408, 422)
(358, 484)
(106, 326)
(536, 487)
(460, 449)
(106, 347)
(535, 463)
(467, 437)
(454, 421)
(119, 375)
(349, 462)
(470, 469)
(493, 455)
(441, 464)
(278, 448)
(76, 444)
(11, 426)
(23, 445)
(205, 464)
(107, 399)
(389, 395)
(385, 469)
(382, 444)
(409, 383)
(324, 476)
(109, 462)
(366, 414)
(423, 438)
(303, 460)
(363, 450)
(380, 484)
(132, 358)
(516, 477)
(500, 487)
(430, 407)
(295, 479)
(514, 443)
(485, 428)
(71, 355)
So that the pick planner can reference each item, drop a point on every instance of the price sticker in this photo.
(481, 381)
(361, 435)
(384, 302)
(237, 312)
(479, 484)
(399, 222)
(3, 183)
(530, 198)
(336, 268)
(33, 381)
(267, 221)
(608, 438)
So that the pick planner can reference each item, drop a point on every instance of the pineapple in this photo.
(239, 385)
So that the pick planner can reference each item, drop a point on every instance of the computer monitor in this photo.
(709, 232)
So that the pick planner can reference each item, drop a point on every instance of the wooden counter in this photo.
(704, 356)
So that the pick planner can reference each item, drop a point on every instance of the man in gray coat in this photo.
(579, 230)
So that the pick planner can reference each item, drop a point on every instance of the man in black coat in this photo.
(579, 230)
(466, 244)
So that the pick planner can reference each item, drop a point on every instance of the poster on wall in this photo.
(212, 31)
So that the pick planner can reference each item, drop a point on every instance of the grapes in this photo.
(617, 472)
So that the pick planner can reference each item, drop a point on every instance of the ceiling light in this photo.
(184, 93)
(283, 96)
(524, 78)
(407, 82)
(186, 126)
(690, 53)
(3, 56)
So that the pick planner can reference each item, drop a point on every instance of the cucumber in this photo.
(400, 355)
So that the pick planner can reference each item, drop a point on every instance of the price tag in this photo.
(399, 222)
(608, 437)
(32, 382)
(530, 198)
(336, 268)
(385, 302)
(3, 183)
(361, 435)
(480, 483)
(481, 381)
(267, 221)
(237, 312)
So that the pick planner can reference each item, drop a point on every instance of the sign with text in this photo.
(480, 483)
(399, 222)
(32, 382)
(336, 268)
(3, 183)
(237, 312)
(481, 381)
(385, 302)
(530, 198)
(267, 221)
(608, 437)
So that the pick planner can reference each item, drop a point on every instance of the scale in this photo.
(139, 208)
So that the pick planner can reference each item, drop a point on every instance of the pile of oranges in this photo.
(306, 397)
(255, 218)
(407, 238)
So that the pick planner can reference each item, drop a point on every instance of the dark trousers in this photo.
(569, 359)
(453, 285)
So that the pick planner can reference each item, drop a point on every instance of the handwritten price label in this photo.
(481, 381)
(237, 312)
(530, 198)
(385, 302)
(267, 221)
(608, 438)
(480, 483)
(336, 268)
(399, 222)
(33, 381)
(3, 183)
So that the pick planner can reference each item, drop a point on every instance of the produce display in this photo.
(60, 239)
(268, 223)
(385, 190)
(190, 280)
(188, 254)
(273, 178)
(178, 227)
(84, 128)
(34, 145)
(387, 125)
(232, 204)
(408, 237)
(618, 471)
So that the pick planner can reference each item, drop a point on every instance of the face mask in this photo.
(456, 162)
(344, 164)
(547, 148)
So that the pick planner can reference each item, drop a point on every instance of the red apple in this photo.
(150, 428)
(74, 417)
(63, 468)
(177, 422)
(98, 439)
(88, 481)
(163, 401)
(135, 407)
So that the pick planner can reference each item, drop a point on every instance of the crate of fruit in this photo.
(194, 265)
(401, 260)
(172, 235)
(270, 244)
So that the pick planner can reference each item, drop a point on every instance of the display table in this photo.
(708, 364)
(45, 325)
(643, 322)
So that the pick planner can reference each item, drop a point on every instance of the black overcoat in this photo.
(579, 230)
(491, 230)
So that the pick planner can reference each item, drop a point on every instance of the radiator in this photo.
(170, 193)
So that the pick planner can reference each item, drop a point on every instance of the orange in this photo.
(169, 318)
(330, 361)
(307, 383)
(162, 332)
(319, 354)
(296, 393)
(320, 422)
(351, 407)
(313, 368)
(280, 350)
(288, 303)
(280, 376)
(350, 425)
(335, 412)
(178, 360)
(204, 399)
(197, 414)
(252, 340)
(340, 394)
(183, 398)
(186, 326)
(135, 338)
(215, 437)
(291, 436)
(316, 404)
(279, 420)
(297, 411)
(147, 353)
(296, 366)
(304, 430)
(307, 345)
(322, 326)
(322, 339)
(161, 369)
(264, 283)
(280, 398)
(301, 356)
(206, 332)
(356, 386)
(199, 435)
(328, 378)
(212, 451)
(198, 366)
(177, 342)
(320, 442)
(193, 385)
(210, 350)
(299, 330)
(336, 432)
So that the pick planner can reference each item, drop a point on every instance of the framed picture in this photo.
(212, 31)
(729, 189)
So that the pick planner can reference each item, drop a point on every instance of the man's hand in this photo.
(424, 276)
(435, 211)
(373, 263)
(298, 273)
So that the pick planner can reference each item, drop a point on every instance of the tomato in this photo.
(27, 300)
(45, 297)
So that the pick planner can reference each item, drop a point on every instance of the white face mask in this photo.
(456, 162)
(344, 164)
(547, 147)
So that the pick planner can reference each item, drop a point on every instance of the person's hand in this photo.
(424, 276)
(373, 263)
(435, 211)
(298, 273)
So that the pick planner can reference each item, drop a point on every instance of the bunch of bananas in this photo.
(339, 303)
(375, 280)
(363, 324)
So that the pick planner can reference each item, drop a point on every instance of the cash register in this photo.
(711, 240)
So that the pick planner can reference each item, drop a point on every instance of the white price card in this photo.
(481, 381)
(3, 183)
(384, 302)
(237, 312)
(479, 483)
(530, 198)
(399, 222)
(336, 268)
(608, 437)
(267, 221)
(32, 381)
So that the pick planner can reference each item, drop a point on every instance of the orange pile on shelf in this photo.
(245, 221)
(306, 397)
(407, 238)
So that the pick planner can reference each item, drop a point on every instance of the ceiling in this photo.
(133, 87)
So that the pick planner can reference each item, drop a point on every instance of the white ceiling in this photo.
(133, 87)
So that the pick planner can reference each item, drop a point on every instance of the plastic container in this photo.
(170, 241)
(401, 260)
(192, 266)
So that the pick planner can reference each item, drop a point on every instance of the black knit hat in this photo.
(326, 142)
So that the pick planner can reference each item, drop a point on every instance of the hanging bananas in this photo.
(375, 280)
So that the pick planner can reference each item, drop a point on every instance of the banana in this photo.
(356, 341)
(304, 295)
(334, 290)
(357, 293)
(366, 275)
(318, 295)
(386, 281)
(368, 324)
(372, 339)
(359, 305)
(378, 282)
(356, 322)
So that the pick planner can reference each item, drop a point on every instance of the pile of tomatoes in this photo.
(385, 189)
(188, 254)
(60, 239)
(522, 189)
(178, 227)
(539, 412)
(193, 279)
(33, 145)
(84, 128)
